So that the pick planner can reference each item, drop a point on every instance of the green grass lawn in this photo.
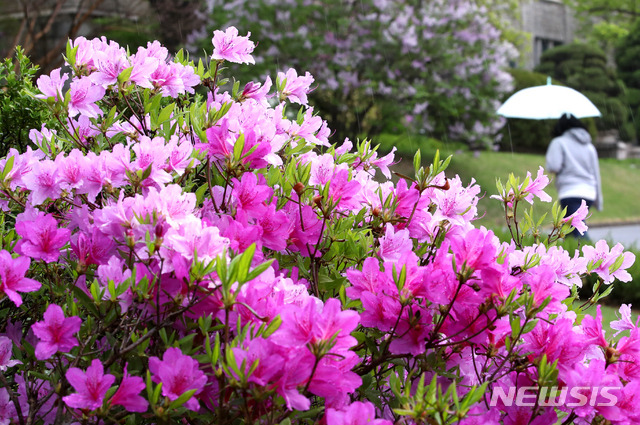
(620, 179)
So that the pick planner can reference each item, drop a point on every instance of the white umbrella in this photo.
(548, 102)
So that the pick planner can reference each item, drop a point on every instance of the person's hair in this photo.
(566, 122)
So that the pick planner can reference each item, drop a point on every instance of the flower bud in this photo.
(299, 188)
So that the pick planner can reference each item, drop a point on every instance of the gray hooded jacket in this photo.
(574, 159)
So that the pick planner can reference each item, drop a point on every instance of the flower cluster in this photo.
(209, 255)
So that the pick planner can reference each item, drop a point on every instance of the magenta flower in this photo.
(51, 85)
(358, 413)
(91, 386)
(12, 271)
(128, 394)
(229, 46)
(178, 373)
(55, 332)
(41, 238)
(7, 408)
(5, 354)
(84, 94)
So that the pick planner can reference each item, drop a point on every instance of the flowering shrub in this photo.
(436, 66)
(178, 257)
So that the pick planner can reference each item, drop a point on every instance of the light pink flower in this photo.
(293, 87)
(43, 181)
(84, 95)
(602, 261)
(91, 386)
(625, 322)
(229, 46)
(55, 332)
(51, 85)
(536, 187)
(577, 218)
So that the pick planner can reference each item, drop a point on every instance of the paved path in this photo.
(628, 235)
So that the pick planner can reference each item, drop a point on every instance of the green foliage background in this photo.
(584, 68)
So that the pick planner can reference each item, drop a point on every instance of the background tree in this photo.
(44, 26)
(605, 22)
(19, 112)
(628, 65)
(584, 68)
(437, 67)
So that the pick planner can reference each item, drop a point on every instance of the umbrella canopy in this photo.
(548, 102)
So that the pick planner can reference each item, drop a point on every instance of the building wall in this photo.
(549, 22)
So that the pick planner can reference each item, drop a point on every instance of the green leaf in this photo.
(125, 75)
(184, 397)
(84, 299)
(166, 112)
(257, 271)
(8, 166)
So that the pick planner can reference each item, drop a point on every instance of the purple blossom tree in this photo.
(437, 67)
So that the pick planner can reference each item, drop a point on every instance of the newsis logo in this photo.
(553, 396)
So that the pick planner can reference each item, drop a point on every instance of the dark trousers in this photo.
(572, 205)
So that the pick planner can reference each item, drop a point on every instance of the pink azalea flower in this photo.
(12, 271)
(536, 187)
(370, 279)
(51, 85)
(6, 346)
(274, 225)
(257, 91)
(476, 249)
(71, 169)
(380, 311)
(357, 413)
(293, 87)
(43, 181)
(178, 373)
(229, 46)
(384, 162)
(84, 94)
(585, 380)
(625, 322)
(592, 328)
(310, 325)
(41, 237)
(128, 393)
(7, 408)
(91, 386)
(394, 246)
(109, 64)
(607, 259)
(55, 332)
(250, 196)
(577, 218)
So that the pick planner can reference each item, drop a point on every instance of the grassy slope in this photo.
(620, 179)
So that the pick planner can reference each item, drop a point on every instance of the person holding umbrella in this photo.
(574, 160)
